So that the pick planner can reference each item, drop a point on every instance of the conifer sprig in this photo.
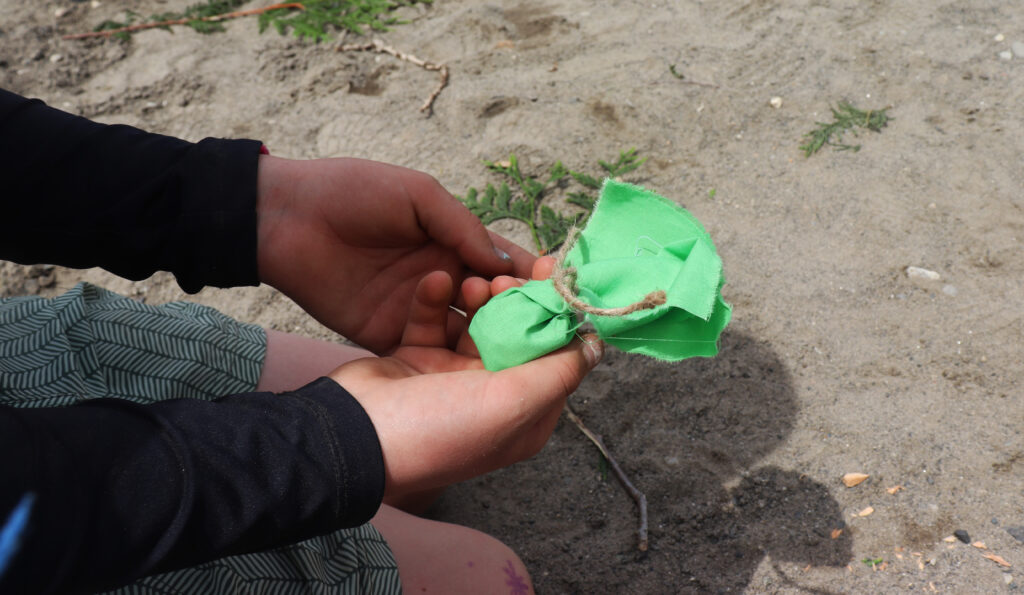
(548, 228)
(845, 117)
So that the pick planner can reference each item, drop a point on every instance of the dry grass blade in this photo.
(852, 479)
(998, 560)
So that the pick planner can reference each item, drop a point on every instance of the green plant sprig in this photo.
(311, 19)
(846, 117)
(872, 562)
(346, 15)
(548, 228)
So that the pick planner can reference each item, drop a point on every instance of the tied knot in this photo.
(563, 279)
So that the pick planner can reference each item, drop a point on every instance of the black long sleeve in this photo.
(123, 490)
(83, 194)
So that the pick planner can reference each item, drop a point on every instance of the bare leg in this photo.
(293, 361)
(436, 557)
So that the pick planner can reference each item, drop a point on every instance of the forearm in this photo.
(125, 490)
(83, 194)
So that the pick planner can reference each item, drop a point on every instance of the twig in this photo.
(637, 495)
(682, 78)
(183, 21)
(378, 46)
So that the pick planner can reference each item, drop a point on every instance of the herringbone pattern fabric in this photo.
(90, 343)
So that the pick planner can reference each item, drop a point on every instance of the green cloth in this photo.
(636, 242)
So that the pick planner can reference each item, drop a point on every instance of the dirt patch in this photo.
(836, 361)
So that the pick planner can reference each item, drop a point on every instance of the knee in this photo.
(500, 571)
(435, 557)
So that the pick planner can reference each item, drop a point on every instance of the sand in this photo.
(836, 361)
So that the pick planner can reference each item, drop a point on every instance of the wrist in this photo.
(273, 180)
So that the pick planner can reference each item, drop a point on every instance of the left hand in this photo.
(350, 239)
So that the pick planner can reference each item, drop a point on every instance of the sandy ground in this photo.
(835, 362)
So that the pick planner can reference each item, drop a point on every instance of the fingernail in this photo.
(502, 254)
(593, 349)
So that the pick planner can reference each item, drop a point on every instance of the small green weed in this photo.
(872, 562)
(846, 117)
(547, 227)
(312, 19)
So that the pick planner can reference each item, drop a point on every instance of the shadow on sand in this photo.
(692, 436)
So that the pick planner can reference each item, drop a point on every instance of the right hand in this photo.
(440, 416)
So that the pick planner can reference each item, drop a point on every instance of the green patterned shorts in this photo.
(91, 343)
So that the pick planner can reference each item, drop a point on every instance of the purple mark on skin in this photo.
(516, 582)
(470, 564)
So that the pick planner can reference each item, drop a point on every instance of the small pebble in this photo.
(1006, 55)
(922, 274)
(962, 535)
(775, 102)
(999, 37)
(949, 290)
(1016, 532)
(1007, 578)
(56, 58)
(1018, 48)
(95, 4)
(60, 12)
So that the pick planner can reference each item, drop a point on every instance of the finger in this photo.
(552, 378)
(448, 222)
(522, 260)
(503, 283)
(428, 313)
(474, 294)
(542, 268)
(457, 326)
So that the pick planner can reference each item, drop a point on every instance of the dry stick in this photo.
(209, 19)
(699, 84)
(378, 46)
(637, 495)
(682, 78)
(561, 277)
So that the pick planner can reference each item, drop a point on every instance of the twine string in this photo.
(564, 280)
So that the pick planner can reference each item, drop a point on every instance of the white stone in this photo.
(999, 37)
(775, 102)
(1018, 48)
(949, 290)
(60, 12)
(922, 274)
(56, 58)
(1006, 55)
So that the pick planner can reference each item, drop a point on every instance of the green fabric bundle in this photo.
(635, 243)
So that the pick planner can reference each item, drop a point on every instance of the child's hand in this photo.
(442, 418)
(349, 239)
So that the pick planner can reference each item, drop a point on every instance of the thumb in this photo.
(556, 375)
(448, 222)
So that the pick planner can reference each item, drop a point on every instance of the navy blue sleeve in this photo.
(82, 194)
(124, 490)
